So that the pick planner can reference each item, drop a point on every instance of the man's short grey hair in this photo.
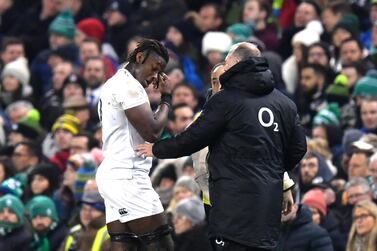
(358, 181)
(19, 104)
(244, 50)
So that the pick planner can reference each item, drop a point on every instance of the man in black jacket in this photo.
(254, 135)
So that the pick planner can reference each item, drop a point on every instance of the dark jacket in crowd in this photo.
(303, 235)
(331, 224)
(18, 240)
(194, 239)
(253, 135)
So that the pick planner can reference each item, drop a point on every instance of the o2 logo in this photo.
(270, 121)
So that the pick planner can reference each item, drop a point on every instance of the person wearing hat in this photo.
(189, 226)
(15, 82)
(74, 85)
(14, 185)
(48, 232)
(91, 233)
(63, 130)
(14, 234)
(78, 106)
(42, 180)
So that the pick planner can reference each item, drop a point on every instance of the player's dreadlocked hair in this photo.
(148, 45)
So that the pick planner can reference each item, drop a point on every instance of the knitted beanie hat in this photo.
(42, 206)
(350, 23)
(14, 185)
(15, 204)
(329, 115)
(315, 198)
(92, 28)
(18, 69)
(310, 35)
(85, 172)
(216, 41)
(63, 25)
(192, 209)
(67, 122)
(367, 85)
(49, 171)
(188, 183)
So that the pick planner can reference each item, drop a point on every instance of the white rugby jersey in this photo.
(121, 92)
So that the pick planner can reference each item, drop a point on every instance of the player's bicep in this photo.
(142, 119)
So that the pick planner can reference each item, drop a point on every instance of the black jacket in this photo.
(247, 154)
(18, 240)
(194, 239)
(304, 235)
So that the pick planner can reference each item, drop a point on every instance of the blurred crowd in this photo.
(55, 56)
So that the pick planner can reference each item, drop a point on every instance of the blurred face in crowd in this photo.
(214, 57)
(309, 80)
(181, 193)
(316, 55)
(351, 74)
(364, 221)
(330, 19)
(369, 114)
(319, 132)
(373, 13)
(373, 170)
(297, 51)
(79, 144)
(94, 73)
(12, 52)
(69, 176)
(8, 216)
(115, 18)
(16, 113)
(215, 78)
(58, 40)
(62, 139)
(39, 184)
(374, 35)
(22, 158)
(10, 84)
(41, 223)
(304, 14)
(174, 36)
(181, 224)
(184, 94)
(87, 50)
(316, 215)
(61, 72)
(251, 11)
(356, 194)
(358, 166)
(183, 117)
(339, 36)
(209, 20)
(72, 89)
(308, 169)
(350, 52)
(88, 213)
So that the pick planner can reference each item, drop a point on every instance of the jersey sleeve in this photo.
(129, 95)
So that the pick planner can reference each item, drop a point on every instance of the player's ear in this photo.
(139, 57)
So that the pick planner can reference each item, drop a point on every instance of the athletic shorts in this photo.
(129, 198)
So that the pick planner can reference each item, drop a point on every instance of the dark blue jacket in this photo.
(304, 235)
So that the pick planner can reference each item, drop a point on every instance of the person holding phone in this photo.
(134, 213)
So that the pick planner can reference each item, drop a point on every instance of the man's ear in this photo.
(139, 57)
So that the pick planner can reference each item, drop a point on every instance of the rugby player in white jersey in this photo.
(134, 213)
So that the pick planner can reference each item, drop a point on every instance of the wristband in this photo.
(166, 99)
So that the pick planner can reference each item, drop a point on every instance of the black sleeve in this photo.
(297, 145)
(204, 130)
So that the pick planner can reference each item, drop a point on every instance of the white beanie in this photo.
(310, 35)
(216, 41)
(18, 69)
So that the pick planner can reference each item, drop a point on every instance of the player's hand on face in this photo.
(144, 150)
(164, 84)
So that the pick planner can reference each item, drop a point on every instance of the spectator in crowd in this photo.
(363, 233)
(373, 171)
(351, 50)
(25, 156)
(91, 229)
(11, 49)
(185, 94)
(368, 115)
(78, 106)
(320, 53)
(189, 226)
(353, 71)
(15, 235)
(6, 169)
(48, 232)
(95, 76)
(82, 142)
(332, 13)
(63, 130)
(181, 116)
(300, 233)
(358, 164)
